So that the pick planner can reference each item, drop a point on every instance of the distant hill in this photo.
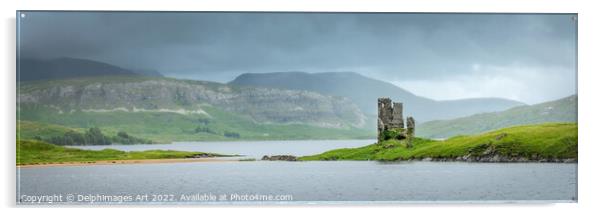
(61, 68)
(364, 91)
(562, 110)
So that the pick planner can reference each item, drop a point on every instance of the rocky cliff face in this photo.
(127, 94)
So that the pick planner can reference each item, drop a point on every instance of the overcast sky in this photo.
(530, 58)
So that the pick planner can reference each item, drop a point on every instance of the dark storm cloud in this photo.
(218, 46)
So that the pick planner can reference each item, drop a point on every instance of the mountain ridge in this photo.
(364, 91)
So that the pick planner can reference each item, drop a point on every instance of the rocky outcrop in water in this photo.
(203, 155)
(279, 158)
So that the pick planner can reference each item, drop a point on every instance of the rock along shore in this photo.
(497, 159)
(279, 158)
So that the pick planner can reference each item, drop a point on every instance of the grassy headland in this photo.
(541, 142)
(33, 152)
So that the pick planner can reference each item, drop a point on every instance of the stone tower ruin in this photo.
(390, 118)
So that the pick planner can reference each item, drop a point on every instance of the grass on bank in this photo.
(551, 140)
(31, 152)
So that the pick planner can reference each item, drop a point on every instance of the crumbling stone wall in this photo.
(397, 121)
(390, 118)
(385, 114)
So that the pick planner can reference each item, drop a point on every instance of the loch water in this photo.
(258, 182)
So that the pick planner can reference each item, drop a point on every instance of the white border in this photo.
(588, 83)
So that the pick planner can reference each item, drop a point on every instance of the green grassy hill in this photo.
(562, 110)
(548, 142)
(31, 152)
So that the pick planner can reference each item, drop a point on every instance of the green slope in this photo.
(168, 127)
(548, 142)
(562, 110)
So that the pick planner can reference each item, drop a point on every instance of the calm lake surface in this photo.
(332, 181)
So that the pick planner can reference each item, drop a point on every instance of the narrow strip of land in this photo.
(33, 153)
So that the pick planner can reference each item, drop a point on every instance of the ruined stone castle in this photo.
(390, 118)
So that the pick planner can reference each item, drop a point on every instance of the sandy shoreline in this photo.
(141, 161)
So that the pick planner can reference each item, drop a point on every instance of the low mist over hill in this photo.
(364, 91)
(61, 68)
(562, 110)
